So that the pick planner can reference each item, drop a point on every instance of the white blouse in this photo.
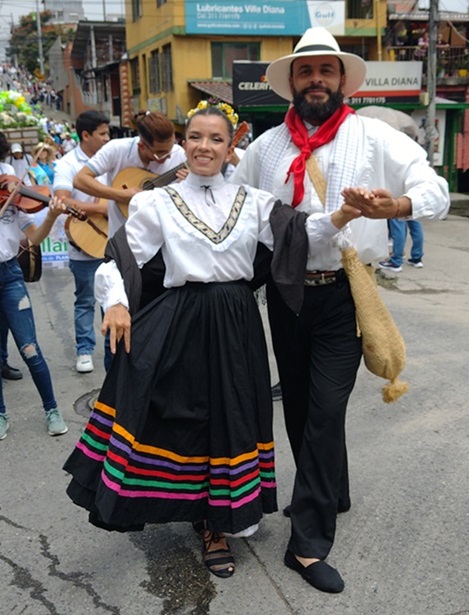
(207, 229)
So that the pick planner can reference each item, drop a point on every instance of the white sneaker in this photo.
(84, 363)
(416, 264)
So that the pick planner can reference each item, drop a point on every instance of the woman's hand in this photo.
(117, 320)
(56, 207)
(378, 203)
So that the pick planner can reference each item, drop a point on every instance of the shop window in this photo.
(135, 76)
(136, 9)
(224, 54)
(154, 71)
(166, 69)
(360, 9)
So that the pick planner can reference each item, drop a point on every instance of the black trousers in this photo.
(318, 354)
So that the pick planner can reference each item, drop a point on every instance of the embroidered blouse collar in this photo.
(196, 181)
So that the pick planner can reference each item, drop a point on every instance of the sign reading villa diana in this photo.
(386, 82)
(271, 17)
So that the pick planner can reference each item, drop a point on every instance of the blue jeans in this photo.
(398, 231)
(17, 315)
(3, 341)
(85, 337)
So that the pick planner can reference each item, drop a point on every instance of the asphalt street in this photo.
(402, 549)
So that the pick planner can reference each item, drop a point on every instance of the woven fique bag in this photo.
(384, 349)
(382, 344)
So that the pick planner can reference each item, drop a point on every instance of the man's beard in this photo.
(317, 112)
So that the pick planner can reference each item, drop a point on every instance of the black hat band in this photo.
(316, 48)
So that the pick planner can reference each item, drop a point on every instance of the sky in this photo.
(94, 10)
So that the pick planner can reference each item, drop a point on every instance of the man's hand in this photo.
(378, 203)
(117, 320)
(125, 194)
(182, 173)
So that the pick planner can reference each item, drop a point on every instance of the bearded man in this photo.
(371, 173)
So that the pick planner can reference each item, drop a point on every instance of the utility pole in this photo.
(39, 38)
(433, 18)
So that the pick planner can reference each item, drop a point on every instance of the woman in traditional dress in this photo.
(182, 430)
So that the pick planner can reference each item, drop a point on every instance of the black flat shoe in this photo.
(320, 575)
(342, 508)
(11, 373)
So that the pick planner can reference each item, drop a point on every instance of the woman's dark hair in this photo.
(90, 121)
(213, 111)
(153, 126)
(4, 146)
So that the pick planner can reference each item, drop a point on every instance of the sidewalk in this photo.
(459, 204)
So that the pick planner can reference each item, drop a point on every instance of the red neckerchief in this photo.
(299, 134)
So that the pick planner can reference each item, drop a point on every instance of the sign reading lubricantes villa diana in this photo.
(272, 17)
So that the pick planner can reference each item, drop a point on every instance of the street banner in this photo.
(272, 17)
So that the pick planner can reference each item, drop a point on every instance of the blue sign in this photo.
(272, 17)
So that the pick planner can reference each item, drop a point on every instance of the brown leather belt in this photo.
(319, 278)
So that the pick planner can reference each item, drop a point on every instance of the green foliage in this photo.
(24, 39)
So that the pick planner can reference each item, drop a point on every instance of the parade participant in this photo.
(21, 162)
(154, 149)
(15, 305)
(182, 429)
(93, 131)
(8, 372)
(376, 172)
(41, 172)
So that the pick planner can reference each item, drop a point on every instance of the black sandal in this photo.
(220, 562)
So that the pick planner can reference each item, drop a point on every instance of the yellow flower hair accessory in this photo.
(222, 106)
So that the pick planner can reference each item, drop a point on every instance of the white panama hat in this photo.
(316, 42)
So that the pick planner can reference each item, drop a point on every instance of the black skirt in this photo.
(182, 429)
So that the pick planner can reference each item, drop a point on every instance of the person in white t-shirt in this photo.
(154, 149)
(93, 131)
(20, 161)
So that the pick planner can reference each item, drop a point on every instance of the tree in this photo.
(24, 39)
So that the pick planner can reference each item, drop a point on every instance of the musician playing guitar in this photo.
(93, 132)
(154, 149)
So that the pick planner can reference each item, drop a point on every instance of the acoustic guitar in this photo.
(133, 177)
(90, 235)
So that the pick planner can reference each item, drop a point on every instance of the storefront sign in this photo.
(54, 248)
(272, 17)
(250, 85)
(386, 82)
(389, 82)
